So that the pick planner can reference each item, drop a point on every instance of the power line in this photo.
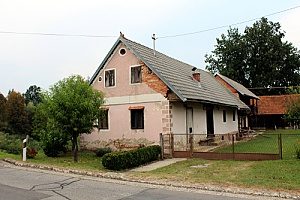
(56, 34)
(224, 26)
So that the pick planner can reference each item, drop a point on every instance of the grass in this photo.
(87, 160)
(276, 175)
(268, 143)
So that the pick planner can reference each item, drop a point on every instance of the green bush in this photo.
(102, 151)
(129, 159)
(54, 142)
(10, 143)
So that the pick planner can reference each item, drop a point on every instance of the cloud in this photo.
(290, 24)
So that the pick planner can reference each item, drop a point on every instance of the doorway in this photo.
(210, 121)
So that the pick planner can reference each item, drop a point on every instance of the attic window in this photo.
(136, 74)
(110, 78)
(100, 78)
(122, 52)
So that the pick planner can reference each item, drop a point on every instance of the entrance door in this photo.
(189, 120)
(210, 121)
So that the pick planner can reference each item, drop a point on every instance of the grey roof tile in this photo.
(239, 87)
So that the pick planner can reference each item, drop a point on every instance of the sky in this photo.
(41, 60)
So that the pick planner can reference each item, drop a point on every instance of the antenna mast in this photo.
(154, 38)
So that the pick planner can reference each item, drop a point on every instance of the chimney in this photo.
(196, 74)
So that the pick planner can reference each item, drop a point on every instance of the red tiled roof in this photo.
(277, 104)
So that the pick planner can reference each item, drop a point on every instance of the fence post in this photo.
(172, 145)
(280, 146)
(191, 145)
(233, 157)
(161, 139)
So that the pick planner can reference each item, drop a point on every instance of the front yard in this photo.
(278, 175)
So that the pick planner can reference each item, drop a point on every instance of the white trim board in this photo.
(143, 98)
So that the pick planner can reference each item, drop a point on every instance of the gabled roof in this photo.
(177, 76)
(238, 87)
(275, 104)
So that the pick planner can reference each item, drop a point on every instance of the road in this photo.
(28, 184)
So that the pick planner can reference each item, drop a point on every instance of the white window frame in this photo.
(130, 67)
(115, 78)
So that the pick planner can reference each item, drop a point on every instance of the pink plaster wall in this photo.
(119, 124)
(123, 86)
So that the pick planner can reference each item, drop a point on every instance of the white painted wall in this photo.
(225, 127)
(199, 119)
(179, 118)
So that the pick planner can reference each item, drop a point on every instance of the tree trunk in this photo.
(75, 150)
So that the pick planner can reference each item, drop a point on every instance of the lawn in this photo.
(276, 175)
(87, 160)
(268, 143)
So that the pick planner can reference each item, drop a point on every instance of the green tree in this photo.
(73, 106)
(33, 94)
(293, 111)
(16, 115)
(257, 58)
(3, 112)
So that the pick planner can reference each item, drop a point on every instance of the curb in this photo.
(121, 177)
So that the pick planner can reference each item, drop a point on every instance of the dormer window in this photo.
(110, 78)
(136, 74)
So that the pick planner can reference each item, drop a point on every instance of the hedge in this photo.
(130, 159)
(102, 151)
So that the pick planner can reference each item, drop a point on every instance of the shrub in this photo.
(54, 143)
(10, 143)
(129, 159)
(31, 152)
(102, 151)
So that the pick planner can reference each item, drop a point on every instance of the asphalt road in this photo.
(27, 184)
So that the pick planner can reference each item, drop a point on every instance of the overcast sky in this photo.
(43, 60)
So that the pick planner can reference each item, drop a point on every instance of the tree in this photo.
(257, 58)
(16, 115)
(72, 106)
(3, 112)
(293, 112)
(33, 94)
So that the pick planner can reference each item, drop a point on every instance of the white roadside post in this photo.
(25, 147)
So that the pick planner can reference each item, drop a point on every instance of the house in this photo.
(148, 93)
(271, 111)
(245, 95)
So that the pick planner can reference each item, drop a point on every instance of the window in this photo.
(103, 119)
(122, 52)
(137, 119)
(136, 75)
(233, 115)
(224, 115)
(110, 78)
